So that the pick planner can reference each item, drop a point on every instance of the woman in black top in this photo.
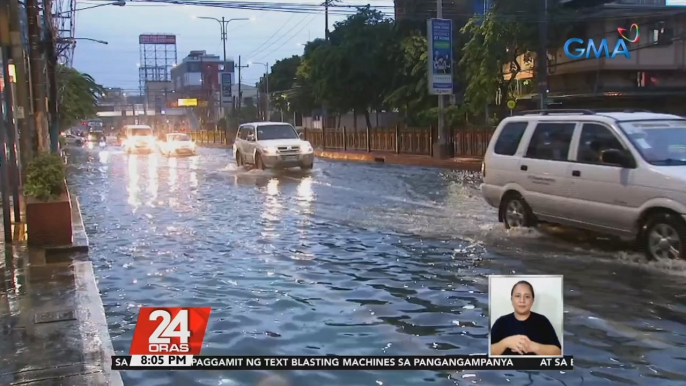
(524, 332)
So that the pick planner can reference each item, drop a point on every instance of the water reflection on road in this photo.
(357, 259)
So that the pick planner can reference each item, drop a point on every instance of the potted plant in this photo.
(48, 205)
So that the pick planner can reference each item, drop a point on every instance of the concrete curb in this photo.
(469, 164)
(90, 311)
(89, 308)
(215, 145)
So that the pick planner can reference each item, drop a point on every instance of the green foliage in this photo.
(409, 91)
(494, 43)
(78, 96)
(45, 176)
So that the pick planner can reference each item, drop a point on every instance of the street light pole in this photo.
(543, 54)
(223, 24)
(117, 3)
(266, 82)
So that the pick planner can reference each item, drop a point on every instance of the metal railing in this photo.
(204, 137)
(398, 140)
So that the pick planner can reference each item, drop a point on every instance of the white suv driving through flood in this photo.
(272, 145)
(621, 173)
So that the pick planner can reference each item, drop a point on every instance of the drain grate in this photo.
(55, 316)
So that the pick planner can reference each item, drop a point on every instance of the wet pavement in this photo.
(49, 312)
(357, 259)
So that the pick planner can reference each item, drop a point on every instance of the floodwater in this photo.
(357, 259)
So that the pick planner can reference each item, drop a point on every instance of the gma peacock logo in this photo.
(593, 50)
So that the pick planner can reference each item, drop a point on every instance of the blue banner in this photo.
(440, 56)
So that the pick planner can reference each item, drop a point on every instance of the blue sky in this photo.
(115, 64)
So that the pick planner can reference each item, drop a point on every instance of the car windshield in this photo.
(276, 132)
(141, 132)
(660, 142)
(178, 137)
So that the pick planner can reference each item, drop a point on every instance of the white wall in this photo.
(548, 299)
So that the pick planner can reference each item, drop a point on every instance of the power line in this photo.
(285, 34)
(269, 38)
(289, 39)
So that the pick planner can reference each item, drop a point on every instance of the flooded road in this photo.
(357, 259)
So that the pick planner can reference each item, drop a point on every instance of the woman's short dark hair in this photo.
(533, 295)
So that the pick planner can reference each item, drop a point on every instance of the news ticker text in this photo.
(453, 363)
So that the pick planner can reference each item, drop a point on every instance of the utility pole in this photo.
(51, 61)
(10, 177)
(37, 75)
(442, 138)
(326, 20)
(240, 94)
(9, 138)
(543, 53)
(24, 115)
(266, 80)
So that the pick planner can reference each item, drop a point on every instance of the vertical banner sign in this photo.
(226, 88)
(440, 56)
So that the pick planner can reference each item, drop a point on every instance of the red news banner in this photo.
(171, 339)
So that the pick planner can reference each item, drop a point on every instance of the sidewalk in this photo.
(470, 164)
(54, 330)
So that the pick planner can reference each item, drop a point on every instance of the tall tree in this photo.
(78, 96)
(353, 71)
(498, 39)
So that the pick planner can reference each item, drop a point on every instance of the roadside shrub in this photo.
(45, 176)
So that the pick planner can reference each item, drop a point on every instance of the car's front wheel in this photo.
(258, 162)
(239, 159)
(664, 237)
(516, 212)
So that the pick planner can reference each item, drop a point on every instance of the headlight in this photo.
(306, 148)
(271, 150)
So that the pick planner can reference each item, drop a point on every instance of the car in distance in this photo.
(618, 173)
(139, 139)
(272, 145)
(177, 144)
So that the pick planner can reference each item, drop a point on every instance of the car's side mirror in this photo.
(251, 137)
(616, 157)
(302, 136)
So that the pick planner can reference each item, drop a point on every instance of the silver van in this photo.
(619, 173)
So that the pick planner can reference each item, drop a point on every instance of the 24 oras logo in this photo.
(170, 330)
(601, 50)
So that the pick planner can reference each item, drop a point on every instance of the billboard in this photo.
(440, 71)
(226, 88)
(187, 102)
(157, 39)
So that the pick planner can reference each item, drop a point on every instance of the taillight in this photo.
(483, 169)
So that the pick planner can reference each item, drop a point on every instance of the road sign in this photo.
(511, 104)
(440, 63)
(226, 80)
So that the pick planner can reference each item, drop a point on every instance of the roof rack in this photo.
(558, 111)
(582, 111)
(621, 111)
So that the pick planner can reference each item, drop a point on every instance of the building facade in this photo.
(198, 77)
(652, 77)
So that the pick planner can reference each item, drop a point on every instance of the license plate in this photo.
(290, 158)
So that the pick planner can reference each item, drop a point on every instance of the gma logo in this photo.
(591, 49)
(597, 51)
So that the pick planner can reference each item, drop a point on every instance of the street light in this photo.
(266, 80)
(119, 3)
(223, 24)
(64, 40)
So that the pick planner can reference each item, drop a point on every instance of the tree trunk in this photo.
(368, 118)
